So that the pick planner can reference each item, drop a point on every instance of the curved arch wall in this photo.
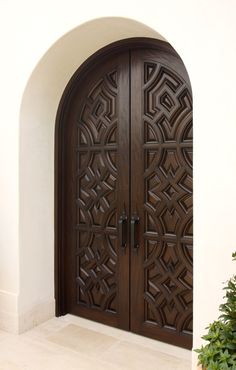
(200, 36)
(37, 128)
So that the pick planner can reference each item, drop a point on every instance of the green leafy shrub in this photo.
(220, 351)
(228, 308)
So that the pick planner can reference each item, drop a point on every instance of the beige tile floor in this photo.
(72, 343)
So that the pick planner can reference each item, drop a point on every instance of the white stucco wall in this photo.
(203, 33)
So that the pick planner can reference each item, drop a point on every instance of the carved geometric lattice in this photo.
(96, 198)
(96, 278)
(167, 123)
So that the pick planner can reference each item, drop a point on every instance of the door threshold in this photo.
(122, 335)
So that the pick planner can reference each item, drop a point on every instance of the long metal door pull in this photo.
(123, 230)
(134, 224)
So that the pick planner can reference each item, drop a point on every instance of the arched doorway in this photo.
(38, 111)
(124, 191)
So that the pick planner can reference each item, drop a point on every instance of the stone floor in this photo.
(72, 343)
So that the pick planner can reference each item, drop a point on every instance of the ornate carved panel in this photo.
(126, 149)
(167, 120)
(96, 198)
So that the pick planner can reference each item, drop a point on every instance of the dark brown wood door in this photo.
(97, 192)
(161, 188)
(127, 194)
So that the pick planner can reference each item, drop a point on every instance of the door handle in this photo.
(134, 224)
(123, 230)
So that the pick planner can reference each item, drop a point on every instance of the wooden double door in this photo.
(126, 185)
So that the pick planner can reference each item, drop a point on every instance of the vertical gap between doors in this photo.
(130, 179)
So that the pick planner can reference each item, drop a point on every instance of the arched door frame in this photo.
(116, 47)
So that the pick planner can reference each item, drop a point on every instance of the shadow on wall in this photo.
(36, 168)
